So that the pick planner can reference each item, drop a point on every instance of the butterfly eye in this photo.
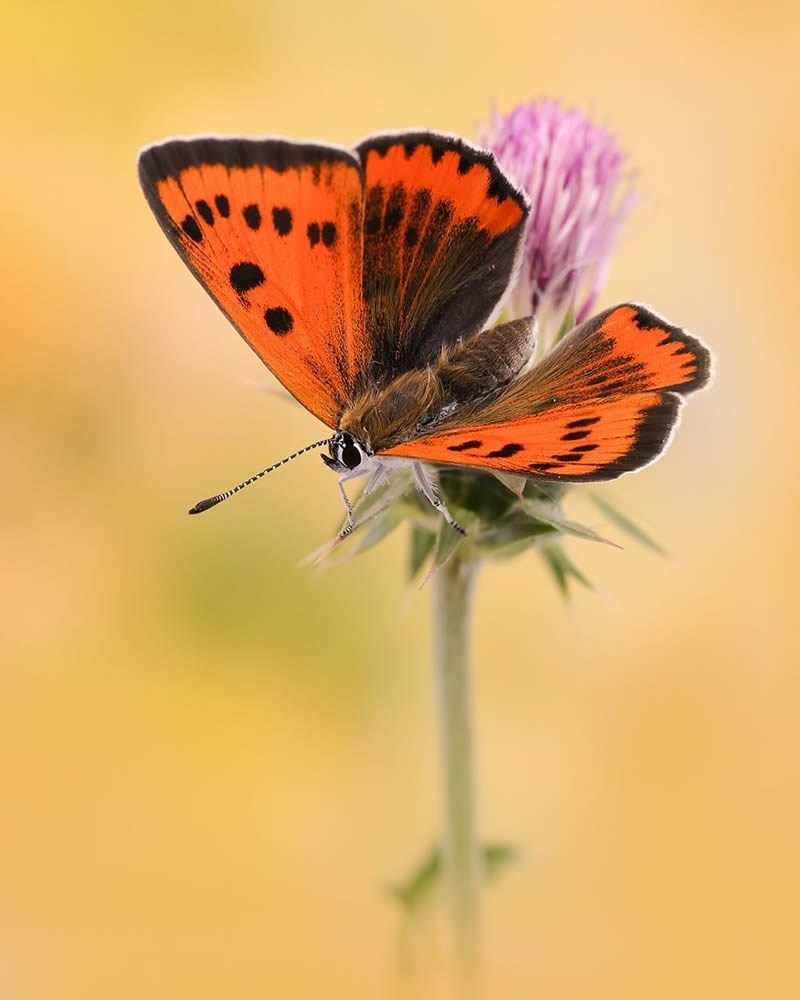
(351, 455)
(346, 452)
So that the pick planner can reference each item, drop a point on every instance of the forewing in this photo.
(442, 227)
(604, 402)
(273, 231)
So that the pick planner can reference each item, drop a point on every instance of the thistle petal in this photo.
(573, 170)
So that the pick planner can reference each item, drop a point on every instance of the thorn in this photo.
(319, 555)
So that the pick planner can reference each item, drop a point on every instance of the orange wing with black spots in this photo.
(442, 229)
(604, 402)
(273, 231)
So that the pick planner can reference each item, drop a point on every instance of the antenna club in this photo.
(205, 504)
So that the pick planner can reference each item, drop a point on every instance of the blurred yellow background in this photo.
(213, 761)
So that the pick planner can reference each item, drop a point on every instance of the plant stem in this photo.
(452, 604)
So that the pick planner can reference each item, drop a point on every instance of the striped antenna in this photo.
(213, 501)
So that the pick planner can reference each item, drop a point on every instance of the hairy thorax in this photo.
(380, 418)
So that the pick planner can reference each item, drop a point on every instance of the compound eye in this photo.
(351, 456)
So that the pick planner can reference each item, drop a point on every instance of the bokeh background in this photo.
(212, 761)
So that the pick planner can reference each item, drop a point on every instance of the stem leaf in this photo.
(551, 513)
(425, 882)
(447, 541)
(563, 568)
(516, 484)
(624, 523)
(422, 543)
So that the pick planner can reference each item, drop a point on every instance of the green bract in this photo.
(503, 516)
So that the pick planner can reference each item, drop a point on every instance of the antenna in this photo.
(213, 501)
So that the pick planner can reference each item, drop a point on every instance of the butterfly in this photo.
(365, 279)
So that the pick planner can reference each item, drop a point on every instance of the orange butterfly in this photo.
(364, 279)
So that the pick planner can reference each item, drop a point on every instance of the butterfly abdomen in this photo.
(475, 368)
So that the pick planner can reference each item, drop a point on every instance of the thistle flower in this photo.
(573, 171)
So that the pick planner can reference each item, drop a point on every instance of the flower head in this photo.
(572, 169)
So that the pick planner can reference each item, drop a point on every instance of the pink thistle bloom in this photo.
(572, 170)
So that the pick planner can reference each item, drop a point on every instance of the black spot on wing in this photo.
(245, 276)
(192, 229)
(252, 216)
(279, 320)
(282, 221)
(328, 234)
(420, 206)
(395, 208)
(465, 445)
(437, 227)
(506, 451)
(498, 187)
(575, 435)
(583, 422)
(373, 209)
(223, 205)
(204, 211)
(313, 233)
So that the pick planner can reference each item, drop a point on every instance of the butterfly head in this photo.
(346, 453)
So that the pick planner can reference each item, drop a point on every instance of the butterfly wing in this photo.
(602, 403)
(442, 228)
(273, 231)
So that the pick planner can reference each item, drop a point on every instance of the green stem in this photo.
(452, 602)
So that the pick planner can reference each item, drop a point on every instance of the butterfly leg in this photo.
(375, 480)
(430, 491)
(349, 523)
(321, 554)
(378, 478)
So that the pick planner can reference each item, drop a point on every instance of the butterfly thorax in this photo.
(380, 417)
